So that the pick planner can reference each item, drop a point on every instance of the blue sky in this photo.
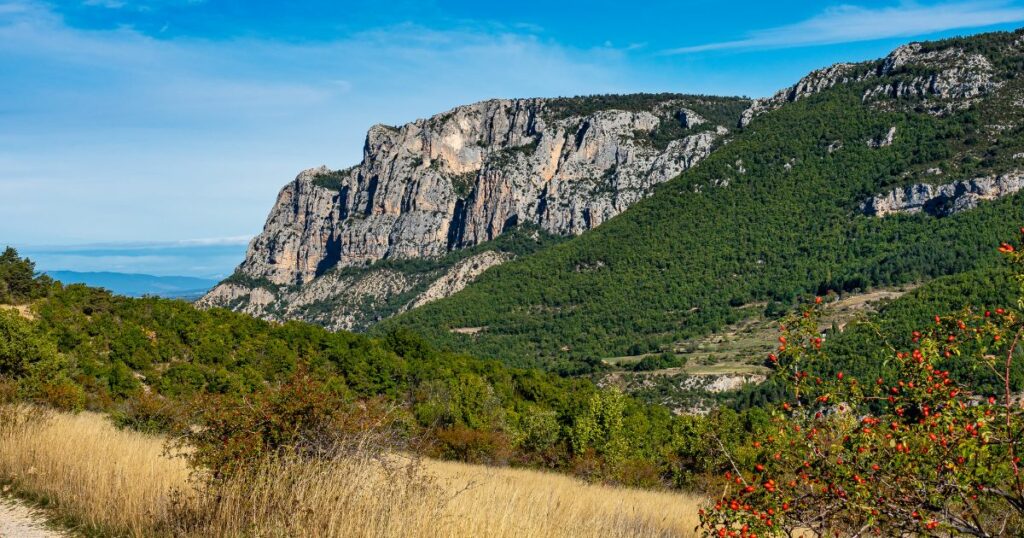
(175, 122)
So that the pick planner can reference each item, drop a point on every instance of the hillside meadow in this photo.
(117, 482)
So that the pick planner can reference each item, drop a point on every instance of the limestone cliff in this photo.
(944, 200)
(463, 178)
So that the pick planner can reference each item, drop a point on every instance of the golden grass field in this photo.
(123, 482)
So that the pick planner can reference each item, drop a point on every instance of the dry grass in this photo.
(92, 472)
(121, 481)
(520, 502)
(23, 310)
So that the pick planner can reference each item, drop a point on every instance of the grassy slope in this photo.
(118, 482)
(670, 267)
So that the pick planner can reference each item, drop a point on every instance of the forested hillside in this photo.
(337, 244)
(163, 365)
(776, 214)
(865, 348)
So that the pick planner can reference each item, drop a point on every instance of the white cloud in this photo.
(138, 5)
(849, 23)
(115, 135)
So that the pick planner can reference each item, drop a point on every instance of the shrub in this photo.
(149, 413)
(302, 417)
(20, 347)
(659, 362)
(916, 454)
(473, 446)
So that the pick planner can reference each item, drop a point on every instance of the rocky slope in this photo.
(953, 79)
(947, 199)
(460, 179)
(353, 299)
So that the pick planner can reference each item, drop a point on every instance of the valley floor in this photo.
(113, 481)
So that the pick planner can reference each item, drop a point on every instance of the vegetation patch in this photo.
(677, 262)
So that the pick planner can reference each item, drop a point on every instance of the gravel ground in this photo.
(20, 521)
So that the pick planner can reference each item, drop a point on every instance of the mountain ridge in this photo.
(771, 216)
(790, 180)
(138, 284)
(463, 178)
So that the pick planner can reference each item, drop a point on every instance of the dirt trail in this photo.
(20, 521)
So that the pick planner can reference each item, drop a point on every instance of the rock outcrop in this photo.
(946, 79)
(459, 179)
(459, 276)
(944, 200)
(882, 141)
(463, 177)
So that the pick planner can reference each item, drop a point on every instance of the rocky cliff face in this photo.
(435, 186)
(464, 177)
(944, 200)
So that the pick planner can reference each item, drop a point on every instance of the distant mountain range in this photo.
(137, 285)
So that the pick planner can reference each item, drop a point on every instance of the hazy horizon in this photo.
(148, 122)
(213, 260)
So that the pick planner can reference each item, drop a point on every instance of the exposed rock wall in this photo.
(464, 177)
(351, 299)
(944, 200)
(459, 276)
(448, 182)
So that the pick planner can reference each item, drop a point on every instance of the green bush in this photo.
(659, 362)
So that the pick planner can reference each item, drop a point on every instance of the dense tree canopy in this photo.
(18, 279)
(771, 216)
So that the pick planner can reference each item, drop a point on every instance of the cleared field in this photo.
(741, 348)
(123, 482)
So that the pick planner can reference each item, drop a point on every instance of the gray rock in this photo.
(448, 182)
(953, 80)
(944, 200)
(339, 300)
(464, 177)
(458, 277)
(882, 141)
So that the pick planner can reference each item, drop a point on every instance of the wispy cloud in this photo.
(109, 4)
(140, 5)
(850, 23)
(125, 136)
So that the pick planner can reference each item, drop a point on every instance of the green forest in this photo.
(158, 364)
(771, 216)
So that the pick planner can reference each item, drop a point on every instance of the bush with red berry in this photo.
(918, 454)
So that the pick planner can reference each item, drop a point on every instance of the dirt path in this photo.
(20, 521)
